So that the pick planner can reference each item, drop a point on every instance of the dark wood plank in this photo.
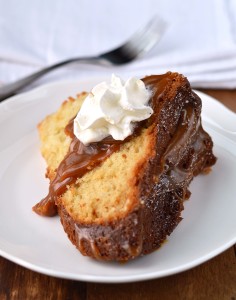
(18, 283)
(215, 279)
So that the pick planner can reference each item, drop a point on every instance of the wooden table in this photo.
(215, 279)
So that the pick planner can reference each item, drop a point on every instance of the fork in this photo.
(139, 43)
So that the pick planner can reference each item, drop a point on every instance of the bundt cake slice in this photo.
(121, 199)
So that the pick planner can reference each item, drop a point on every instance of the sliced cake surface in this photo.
(119, 200)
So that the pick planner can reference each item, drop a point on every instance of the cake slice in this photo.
(119, 200)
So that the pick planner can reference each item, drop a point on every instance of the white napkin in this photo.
(200, 41)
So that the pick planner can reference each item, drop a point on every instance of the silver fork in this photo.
(139, 43)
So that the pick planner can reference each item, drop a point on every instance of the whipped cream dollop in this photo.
(111, 109)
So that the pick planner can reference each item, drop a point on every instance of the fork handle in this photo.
(11, 88)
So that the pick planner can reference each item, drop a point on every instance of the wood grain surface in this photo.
(214, 280)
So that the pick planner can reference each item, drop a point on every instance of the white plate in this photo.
(40, 244)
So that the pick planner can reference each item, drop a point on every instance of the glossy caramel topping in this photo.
(80, 159)
(188, 125)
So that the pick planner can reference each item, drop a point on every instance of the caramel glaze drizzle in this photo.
(80, 159)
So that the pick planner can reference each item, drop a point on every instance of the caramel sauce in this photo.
(188, 125)
(80, 159)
